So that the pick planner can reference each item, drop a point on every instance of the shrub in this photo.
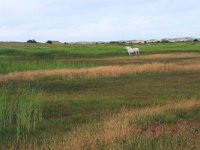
(165, 41)
(49, 42)
(32, 41)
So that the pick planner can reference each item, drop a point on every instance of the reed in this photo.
(21, 111)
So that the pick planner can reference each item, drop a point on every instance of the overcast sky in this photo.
(98, 20)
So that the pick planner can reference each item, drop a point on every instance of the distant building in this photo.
(172, 40)
(184, 39)
(137, 41)
(152, 41)
(180, 39)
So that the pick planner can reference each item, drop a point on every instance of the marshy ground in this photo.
(97, 97)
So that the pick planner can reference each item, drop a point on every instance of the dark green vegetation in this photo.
(50, 109)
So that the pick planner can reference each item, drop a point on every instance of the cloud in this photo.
(91, 20)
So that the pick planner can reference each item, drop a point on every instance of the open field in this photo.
(23, 56)
(97, 97)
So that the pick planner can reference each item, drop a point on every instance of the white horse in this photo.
(130, 50)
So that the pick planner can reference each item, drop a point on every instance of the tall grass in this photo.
(116, 132)
(86, 112)
(107, 71)
(12, 66)
(20, 110)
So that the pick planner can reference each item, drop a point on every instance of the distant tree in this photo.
(115, 42)
(32, 41)
(49, 42)
(145, 42)
(65, 43)
(195, 40)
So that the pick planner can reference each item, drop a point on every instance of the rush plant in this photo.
(20, 110)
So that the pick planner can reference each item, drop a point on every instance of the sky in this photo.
(98, 20)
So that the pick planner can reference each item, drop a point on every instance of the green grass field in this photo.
(112, 101)
(24, 56)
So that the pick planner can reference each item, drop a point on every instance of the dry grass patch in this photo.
(108, 71)
(118, 126)
(115, 132)
(121, 122)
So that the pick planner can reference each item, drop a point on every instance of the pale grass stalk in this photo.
(108, 71)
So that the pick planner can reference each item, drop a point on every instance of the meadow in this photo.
(97, 97)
